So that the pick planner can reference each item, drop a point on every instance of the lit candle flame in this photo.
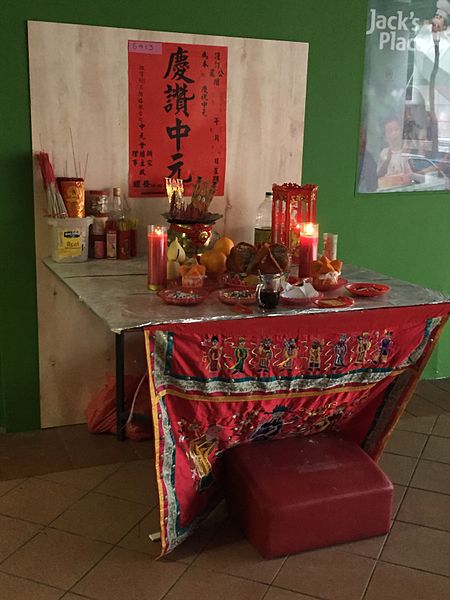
(309, 229)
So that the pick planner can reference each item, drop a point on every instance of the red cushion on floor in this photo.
(300, 493)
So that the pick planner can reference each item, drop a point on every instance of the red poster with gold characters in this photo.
(177, 96)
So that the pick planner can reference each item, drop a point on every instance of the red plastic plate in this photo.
(234, 280)
(329, 288)
(182, 296)
(369, 290)
(238, 295)
(299, 301)
(335, 302)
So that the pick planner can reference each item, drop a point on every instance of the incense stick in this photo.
(73, 152)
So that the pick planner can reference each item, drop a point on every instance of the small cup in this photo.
(268, 291)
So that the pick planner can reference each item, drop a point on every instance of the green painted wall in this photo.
(404, 235)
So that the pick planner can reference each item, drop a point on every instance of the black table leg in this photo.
(120, 387)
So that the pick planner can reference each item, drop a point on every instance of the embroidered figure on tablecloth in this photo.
(289, 355)
(384, 348)
(214, 355)
(200, 450)
(362, 348)
(240, 356)
(265, 355)
(314, 355)
(272, 427)
(340, 350)
(329, 421)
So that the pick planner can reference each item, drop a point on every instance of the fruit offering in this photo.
(325, 272)
(214, 262)
(192, 274)
(267, 259)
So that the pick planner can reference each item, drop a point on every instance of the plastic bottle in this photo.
(115, 214)
(263, 223)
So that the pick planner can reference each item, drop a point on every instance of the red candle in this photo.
(157, 257)
(308, 241)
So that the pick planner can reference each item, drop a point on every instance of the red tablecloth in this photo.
(216, 384)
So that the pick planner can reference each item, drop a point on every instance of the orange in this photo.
(214, 261)
(224, 245)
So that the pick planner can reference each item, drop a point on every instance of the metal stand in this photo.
(120, 387)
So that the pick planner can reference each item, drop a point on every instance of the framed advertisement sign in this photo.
(405, 126)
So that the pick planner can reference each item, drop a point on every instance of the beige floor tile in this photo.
(134, 481)
(443, 384)
(229, 552)
(429, 509)
(433, 476)
(434, 394)
(88, 449)
(437, 448)
(420, 407)
(16, 588)
(186, 552)
(275, 593)
(399, 493)
(70, 596)
(14, 533)
(190, 548)
(85, 479)
(391, 582)
(398, 468)
(370, 547)
(101, 517)
(144, 449)
(137, 539)
(419, 548)
(11, 442)
(26, 461)
(55, 558)
(406, 443)
(199, 583)
(124, 574)
(442, 426)
(416, 424)
(328, 574)
(39, 500)
(6, 486)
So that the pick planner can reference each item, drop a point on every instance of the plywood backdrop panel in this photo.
(79, 93)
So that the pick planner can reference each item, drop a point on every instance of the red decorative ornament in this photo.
(292, 205)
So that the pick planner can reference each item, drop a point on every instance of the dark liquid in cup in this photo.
(268, 298)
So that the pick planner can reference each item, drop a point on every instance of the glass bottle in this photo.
(263, 222)
(115, 215)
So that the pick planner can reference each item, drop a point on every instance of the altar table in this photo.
(218, 379)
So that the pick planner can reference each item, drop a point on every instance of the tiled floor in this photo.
(76, 510)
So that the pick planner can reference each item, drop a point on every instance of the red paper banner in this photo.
(177, 115)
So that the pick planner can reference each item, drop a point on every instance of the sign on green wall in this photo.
(405, 129)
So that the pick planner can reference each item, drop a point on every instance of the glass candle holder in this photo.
(156, 257)
(307, 251)
(330, 245)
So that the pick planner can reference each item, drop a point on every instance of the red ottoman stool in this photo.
(300, 493)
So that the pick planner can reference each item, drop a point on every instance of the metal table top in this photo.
(116, 291)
